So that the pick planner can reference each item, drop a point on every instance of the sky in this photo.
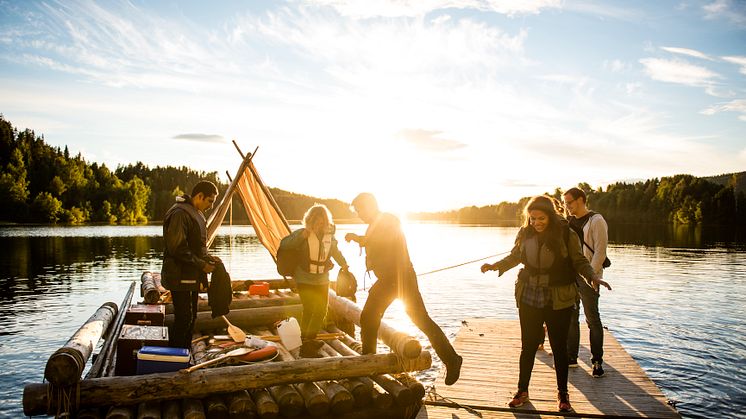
(430, 105)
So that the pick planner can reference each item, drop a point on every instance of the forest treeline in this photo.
(683, 199)
(45, 184)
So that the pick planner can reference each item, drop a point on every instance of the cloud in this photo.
(738, 106)
(677, 71)
(426, 140)
(205, 138)
(364, 9)
(737, 59)
(688, 52)
(732, 11)
(615, 66)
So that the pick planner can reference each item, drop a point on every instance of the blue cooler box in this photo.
(152, 359)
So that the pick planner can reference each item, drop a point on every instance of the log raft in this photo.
(343, 383)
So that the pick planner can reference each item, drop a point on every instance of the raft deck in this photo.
(489, 375)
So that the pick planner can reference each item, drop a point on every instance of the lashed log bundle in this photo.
(215, 407)
(402, 394)
(247, 303)
(89, 414)
(149, 410)
(316, 401)
(172, 409)
(149, 288)
(120, 412)
(66, 365)
(240, 405)
(399, 342)
(266, 407)
(192, 409)
(110, 391)
(244, 318)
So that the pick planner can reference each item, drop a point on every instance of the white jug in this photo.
(289, 331)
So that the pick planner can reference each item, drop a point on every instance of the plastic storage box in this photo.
(152, 359)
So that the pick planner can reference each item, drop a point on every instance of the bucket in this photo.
(289, 331)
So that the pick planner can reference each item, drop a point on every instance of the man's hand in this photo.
(209, 267)
(487, 267)
(597, 282)
(352, 237)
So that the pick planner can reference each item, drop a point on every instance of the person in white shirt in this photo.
(593, 232)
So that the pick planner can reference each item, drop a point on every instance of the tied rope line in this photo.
(438, 270)
(462, 264)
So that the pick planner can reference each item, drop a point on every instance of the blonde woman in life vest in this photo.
(316, 246)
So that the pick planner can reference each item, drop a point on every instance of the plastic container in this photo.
(259, 288)
(289, 331)
(154, 359)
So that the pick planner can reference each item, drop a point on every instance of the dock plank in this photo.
(489, 376)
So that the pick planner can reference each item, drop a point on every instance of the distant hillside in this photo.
(737, 180)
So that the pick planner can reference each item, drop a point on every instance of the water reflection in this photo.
(677, 304)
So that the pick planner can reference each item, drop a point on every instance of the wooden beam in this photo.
(110, 391)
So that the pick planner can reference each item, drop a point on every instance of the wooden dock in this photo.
(489, 377)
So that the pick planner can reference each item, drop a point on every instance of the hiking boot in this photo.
(563, 401)
(315, 344)
(519, 399)
(453, 370)
(598, 370)
(309, 350)
(573, 363)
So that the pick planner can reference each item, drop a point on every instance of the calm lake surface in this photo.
(678, 304)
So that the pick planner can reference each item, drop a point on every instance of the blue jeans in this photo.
(589, 300)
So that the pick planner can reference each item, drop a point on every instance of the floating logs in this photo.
(266, 407)
(399, 342)
(66, 364)
(246, 303)
(111, 391)
(240, 405)
(244, 318)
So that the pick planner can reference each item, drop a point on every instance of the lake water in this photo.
(678, 304)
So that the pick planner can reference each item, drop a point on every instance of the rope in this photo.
(462, 264)
(435, 396)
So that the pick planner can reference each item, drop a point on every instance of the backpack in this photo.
(579, 230)
(287, 259)
(346, 284)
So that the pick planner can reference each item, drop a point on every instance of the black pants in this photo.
(532, 334)
(185, 315)
(380, 297)
(314, 299)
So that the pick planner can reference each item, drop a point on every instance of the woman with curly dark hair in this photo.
(545, 290)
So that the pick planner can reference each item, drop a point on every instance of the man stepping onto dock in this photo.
(386, 254)
(593, 232)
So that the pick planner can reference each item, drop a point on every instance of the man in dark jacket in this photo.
(186, 261)
(386, 254)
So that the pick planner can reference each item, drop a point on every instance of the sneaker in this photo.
(563, 401)
(573, 363)
(453, 370)
(598, 370)
(519, 399)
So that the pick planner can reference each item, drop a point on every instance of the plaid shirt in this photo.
(536, 292)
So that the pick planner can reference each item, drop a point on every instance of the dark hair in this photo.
(205, 187)
(365, 199)
(577, 193)
(545, 204)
